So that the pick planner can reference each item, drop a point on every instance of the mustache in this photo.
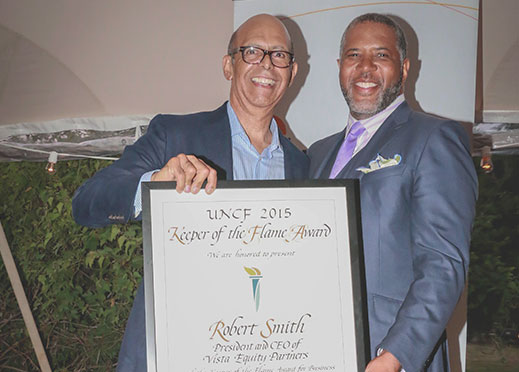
(367, 76)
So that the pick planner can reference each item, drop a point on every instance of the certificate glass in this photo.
(260, 276)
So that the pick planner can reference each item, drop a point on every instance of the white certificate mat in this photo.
(259, 276)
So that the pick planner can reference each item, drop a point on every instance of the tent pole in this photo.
(16, 283)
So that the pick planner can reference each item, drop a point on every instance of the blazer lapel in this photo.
(287, 158)
(296, 164)
(216, 138)
(326, 154)
(384, 135)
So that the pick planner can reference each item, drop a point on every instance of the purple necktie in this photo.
(348, 146)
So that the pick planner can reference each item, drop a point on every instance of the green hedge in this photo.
(494, 267)
(80, 282)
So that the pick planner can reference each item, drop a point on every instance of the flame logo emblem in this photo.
(255, 276)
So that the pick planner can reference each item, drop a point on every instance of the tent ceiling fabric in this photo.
(502, 89)
(31, 78)
(500, 58)
(500, 53)
(115, 57)
(61, 60)
(87, 70)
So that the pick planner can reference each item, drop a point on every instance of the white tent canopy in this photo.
(81, 76)
(105, 66)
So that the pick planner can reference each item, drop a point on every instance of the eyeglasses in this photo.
(254, 55)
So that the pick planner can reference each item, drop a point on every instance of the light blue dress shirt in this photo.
(247, 163)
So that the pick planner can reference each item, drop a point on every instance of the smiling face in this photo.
(371, 74)
(262, 85)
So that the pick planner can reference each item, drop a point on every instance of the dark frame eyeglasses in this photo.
(254, 55)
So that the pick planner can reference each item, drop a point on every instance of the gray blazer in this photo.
(416, 221)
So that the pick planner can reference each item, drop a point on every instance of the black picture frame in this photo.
(358, 283)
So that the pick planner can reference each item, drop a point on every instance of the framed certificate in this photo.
(260, 276)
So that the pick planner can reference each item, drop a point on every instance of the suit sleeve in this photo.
(108, 196)
(442, 211)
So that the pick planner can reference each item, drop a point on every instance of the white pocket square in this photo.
(380, 162)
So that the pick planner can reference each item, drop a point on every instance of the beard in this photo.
(361, 110)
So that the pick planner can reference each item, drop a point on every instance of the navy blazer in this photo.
(416, 221)
(109, 195)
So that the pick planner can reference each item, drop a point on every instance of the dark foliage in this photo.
(494, 266)
(80, 282)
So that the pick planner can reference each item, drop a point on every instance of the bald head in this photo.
(258, 21)
(258, 85)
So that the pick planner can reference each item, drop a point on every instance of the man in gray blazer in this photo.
(418, 190)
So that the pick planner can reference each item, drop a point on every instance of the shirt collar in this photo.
(381, 116)
(237, 130)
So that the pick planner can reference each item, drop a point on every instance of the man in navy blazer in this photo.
(240, 140)
(418, 190)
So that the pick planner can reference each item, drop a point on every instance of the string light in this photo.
(486, 160)
(53, 156)
(51, 165)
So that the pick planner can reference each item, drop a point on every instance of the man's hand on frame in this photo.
(189, 172)
(385, 362)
